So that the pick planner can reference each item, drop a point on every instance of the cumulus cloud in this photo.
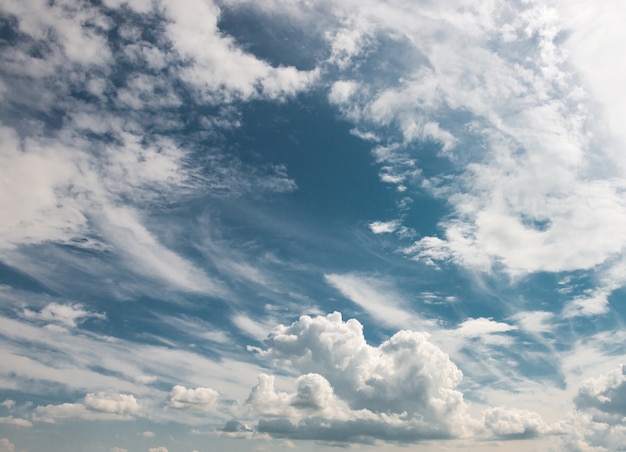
(404, 389)
(237, 429)
(198, 399)
(6, 445)
(605, 394)
(158, 449)
(18, 422)
(513, 423)
(598, 423)
(95, 406)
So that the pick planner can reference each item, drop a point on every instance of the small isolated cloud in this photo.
(198, 399)
(402, 390)
(148, 434)
(482, 327)
(69, 315)
(513, 423)
(367, 136)
(117, 449)
(158, 449)
(98, 406)
(384, 227)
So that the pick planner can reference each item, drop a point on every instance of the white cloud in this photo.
(598, 422)
(93, 180)
(251, 327)
(8, 404)
(342, 91)
(66, 314)
(367, 136)
(377, 297)
(6, 445)
(125, 230)
(87, 362)
(117, 449)
(606, 394)
(482, 326)
(513, 423)
(158, 449)
(221, 71)
(198, 399)
(384, 227)
(314, 396)
(535, 322)
(349, 390)
(146, 379)
(147, 434)
(592, 45)
(118, 404)
(100, 406)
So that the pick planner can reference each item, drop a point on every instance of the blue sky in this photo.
(255, 226)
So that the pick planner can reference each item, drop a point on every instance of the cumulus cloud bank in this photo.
(404, 389)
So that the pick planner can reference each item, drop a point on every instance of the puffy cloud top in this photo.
(513, 422)
(199, 399)
(606, 393)
(120, 404)
(405, 382)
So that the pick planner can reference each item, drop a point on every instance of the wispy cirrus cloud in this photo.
(101, 167)
(377, 297)
(68, 315)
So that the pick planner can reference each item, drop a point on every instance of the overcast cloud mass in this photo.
(243, 225)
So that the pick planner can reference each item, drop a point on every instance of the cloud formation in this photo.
(198, 399)
(404, 389)
(95, 406)
(101, 145)
(69, 315)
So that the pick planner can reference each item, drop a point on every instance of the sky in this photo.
(314, 225)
